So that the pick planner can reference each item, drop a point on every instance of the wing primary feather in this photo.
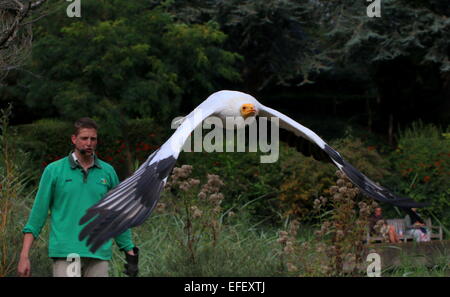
(126, 206)
(375, 191)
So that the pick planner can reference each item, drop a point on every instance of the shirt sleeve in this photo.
(123, 240)
(41, 205)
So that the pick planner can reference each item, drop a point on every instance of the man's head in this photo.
(84, 137)
(378, 211)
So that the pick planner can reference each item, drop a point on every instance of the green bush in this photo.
(46, 140)
(246, 180)
(423, 160)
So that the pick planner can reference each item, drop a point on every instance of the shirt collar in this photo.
(74, 161)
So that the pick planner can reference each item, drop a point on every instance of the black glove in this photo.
(131, 267)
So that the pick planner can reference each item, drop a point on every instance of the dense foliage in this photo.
(155, 58)
(123, 60)
(422, 161)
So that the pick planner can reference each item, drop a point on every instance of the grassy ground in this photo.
(241, 251)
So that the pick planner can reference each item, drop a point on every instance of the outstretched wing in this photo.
(132, 201)
(311, 144)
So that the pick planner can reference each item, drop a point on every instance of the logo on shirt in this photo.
(103, 181)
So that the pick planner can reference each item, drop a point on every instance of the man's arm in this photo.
(124, 241)
(24, 267)
(36, 221)
(41, 205)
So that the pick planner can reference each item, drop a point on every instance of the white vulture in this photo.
(132, 201)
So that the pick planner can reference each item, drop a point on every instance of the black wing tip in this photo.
(376, 192)
(408, 203)
(90, 213)
(109, 223)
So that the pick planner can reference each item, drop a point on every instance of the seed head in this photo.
(196, 213)
(291, 267)
(160, 207)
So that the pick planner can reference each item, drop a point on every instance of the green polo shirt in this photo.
(67, 191)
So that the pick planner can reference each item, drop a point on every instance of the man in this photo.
(68, 187)
(389, 229)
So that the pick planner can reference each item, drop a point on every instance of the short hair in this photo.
(84, 123)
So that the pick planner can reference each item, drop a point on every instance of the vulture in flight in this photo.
(132, 201)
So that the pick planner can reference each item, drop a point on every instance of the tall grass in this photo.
(192, 235)
(240, 251)
(14, 179)
(436, 265)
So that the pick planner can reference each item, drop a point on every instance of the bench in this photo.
(400, 229)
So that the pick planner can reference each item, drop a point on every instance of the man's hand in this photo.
(132, 258)
(24, 267)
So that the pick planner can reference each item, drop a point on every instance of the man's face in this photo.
(378, 211)
(86, 141)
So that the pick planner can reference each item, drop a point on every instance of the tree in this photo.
(15, 32)
(417, 29)
(125, 57)
(124, 60)
(405, 53)
(292, 43)
(278, 39)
